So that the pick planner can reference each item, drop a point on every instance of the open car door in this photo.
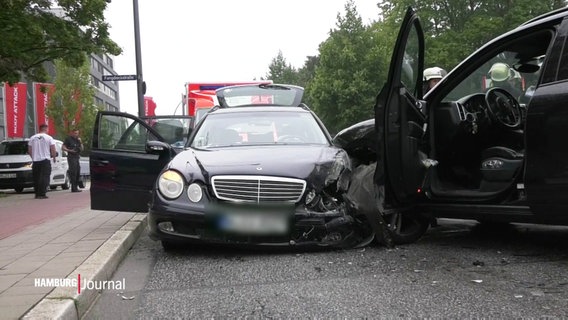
(546, 155)
(399, 122)
(127, 155)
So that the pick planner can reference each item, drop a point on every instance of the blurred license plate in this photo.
(251, 220)
(253, 223)
(7, 175)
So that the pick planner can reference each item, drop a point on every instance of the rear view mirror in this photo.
(527, 68)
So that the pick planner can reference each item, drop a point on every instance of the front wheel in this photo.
(19, 189)
(406, 228)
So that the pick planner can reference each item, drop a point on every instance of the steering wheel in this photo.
(503, 108)
(290, 138)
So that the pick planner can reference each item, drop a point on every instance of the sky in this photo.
(216, 41)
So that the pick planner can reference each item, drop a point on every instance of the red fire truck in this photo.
(200, 96)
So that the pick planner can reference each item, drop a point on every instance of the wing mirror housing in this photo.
(157, 147)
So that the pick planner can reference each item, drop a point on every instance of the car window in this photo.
(121, 133)
(410, 66)
(173, 131)
(200, 113)
(14, 148)
(59, 150)
(515, 68)
(560, 48)
(258, 128)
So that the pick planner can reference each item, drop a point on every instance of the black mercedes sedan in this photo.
(258, 169)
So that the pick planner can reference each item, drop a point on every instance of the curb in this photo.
(65, 302)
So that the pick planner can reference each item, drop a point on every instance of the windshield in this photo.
(258, 128)
(496, 72)
(13, 147)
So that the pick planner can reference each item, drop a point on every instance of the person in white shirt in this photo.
(41, 147)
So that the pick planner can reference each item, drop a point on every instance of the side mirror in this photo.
(157, 147)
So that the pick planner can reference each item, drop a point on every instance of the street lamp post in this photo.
(140, 80)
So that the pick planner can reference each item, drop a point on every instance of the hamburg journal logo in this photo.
(81, 284)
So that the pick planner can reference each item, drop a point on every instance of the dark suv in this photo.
(487, 143)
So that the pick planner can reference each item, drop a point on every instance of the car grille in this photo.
(13, 165)
(258, 188)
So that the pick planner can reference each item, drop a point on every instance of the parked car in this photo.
(468, 150)
(259, 168)
(16, 166)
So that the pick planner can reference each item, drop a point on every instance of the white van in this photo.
(16, 166)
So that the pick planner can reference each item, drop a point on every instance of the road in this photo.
(458, 270)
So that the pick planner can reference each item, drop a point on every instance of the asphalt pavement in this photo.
(55, 253)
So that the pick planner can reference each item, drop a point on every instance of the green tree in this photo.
(72, 103)
(348, 73)
(34, 31)
(306, 74)
(343, 80)
(280, 71)
(455, 28)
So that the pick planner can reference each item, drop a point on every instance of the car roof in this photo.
(552, 15)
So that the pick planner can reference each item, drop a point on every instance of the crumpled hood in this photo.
(302, 162)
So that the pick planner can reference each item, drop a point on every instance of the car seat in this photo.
(500, 164)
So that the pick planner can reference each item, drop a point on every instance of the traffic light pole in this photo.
(140, 79)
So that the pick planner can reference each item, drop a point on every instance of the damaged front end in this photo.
(327, 219)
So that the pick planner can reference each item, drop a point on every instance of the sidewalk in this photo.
(78, 241)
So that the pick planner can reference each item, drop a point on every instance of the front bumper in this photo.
(16, 179)
(199, 224)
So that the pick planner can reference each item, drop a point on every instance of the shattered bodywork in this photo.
(329, 212)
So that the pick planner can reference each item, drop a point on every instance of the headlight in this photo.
(194, 192)
(170, 184)
(28, 165)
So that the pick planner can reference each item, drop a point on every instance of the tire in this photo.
(66, 185)
(19, 189)
(52, 187)
(407, 228)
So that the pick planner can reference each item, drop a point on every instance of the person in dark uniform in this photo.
(41, 147)
(73, 146)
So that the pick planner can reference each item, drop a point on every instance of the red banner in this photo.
(15, 102)
(41, 102)
(149, 107)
